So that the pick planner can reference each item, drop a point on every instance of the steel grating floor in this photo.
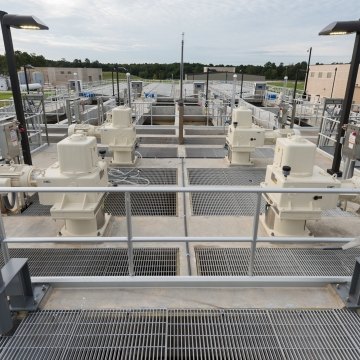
(158, 140)
(217, 153)
(275, 262)
(263, 153)
(98, 261)
(204, 141)
(235, 176)
(186, 334)
(225, 204)
(202, 131)
(157, 152)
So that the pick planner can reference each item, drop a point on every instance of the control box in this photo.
(9, 139)
(351, 147)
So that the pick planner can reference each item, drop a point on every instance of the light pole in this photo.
(307, 74)
(112, 81)
(117, 69)
(233, 93)
(18, 22)
(182, 66)
(26, 77)
(332, 89)
(343, 28)
(294, 100)
(129, 88)
(76, 85)
(242, 81)
(207, 85)
(285, 82)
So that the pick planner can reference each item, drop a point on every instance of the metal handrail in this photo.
(130, 239)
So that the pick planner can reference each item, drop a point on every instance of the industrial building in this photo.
(61, 76)
(330, 81)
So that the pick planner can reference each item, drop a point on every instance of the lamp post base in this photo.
(332, 172)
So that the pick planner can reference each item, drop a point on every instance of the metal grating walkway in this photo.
(224, 204)
(155, 130)
(142, 204)
(98, 262)
(215, 153)
(276, 262)
(186, 334)
(204, 141)
(219, 153)
(158, 140)
(207, 131)
(157, 152)
(235, 176)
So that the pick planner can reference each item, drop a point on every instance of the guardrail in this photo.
(129, 239)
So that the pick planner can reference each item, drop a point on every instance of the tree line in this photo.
(157, 71)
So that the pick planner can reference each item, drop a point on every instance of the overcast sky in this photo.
(219, 32)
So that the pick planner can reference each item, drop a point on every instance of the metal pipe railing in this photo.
(130, 239)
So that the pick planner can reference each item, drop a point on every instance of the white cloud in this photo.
(229, 32)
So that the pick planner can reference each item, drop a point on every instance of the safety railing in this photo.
(254, 239)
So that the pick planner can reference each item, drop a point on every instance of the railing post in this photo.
(151, 114)
(4, 247)
(129, 233)
(255, 233)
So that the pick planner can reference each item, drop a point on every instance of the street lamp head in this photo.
(23, 22)
(341, 28)
(235, 76)
(118, 68)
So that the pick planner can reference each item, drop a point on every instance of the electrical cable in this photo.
(9, 204)
(132, 177)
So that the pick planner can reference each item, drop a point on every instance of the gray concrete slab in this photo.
(265, 298)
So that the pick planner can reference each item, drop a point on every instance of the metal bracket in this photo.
(350, 292)
(17, 292)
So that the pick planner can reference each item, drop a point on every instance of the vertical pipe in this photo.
(26, 81)
(294, 102)
(117, 87)
(186, 228)
(15, 87)
(307, 74)
(242, 80)
(182, 67)
(112, 82)
(129, 89)
(129, 233)
(181, 122)
(332, 89)
(233, 93)
(151, 114)
(255, 232)
(207, 87)
(45, 120)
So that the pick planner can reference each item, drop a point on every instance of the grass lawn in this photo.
(290, 84)
(4, 95)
